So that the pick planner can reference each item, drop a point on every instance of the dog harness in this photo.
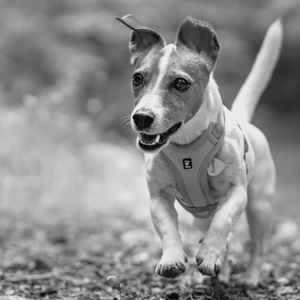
(190, 163)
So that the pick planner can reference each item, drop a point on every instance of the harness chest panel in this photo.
(189, 164)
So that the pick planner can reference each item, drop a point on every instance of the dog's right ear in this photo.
(142, 39)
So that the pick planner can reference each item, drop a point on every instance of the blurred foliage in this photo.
(45, 44)
(64, 92)
(54, 165)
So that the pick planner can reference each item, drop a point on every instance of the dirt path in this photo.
(99, 257)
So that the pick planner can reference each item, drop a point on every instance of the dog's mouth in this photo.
(152, 142)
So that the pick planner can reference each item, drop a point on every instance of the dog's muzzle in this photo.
(152, 142)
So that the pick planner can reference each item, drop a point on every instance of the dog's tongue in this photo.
(150, 138)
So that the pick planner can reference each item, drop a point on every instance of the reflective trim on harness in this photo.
(189, 163)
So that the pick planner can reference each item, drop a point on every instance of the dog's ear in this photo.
(142, 38)
(198, 36)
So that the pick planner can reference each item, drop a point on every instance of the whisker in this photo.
(127, 121)
(126, 117)
(128, 124)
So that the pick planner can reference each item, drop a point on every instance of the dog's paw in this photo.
(171, 267)
(224, 275)
(210, 259)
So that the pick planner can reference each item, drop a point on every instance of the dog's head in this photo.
(168, 80)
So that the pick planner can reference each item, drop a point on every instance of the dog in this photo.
(209, 158)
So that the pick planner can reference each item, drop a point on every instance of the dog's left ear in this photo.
(142, 39)
(198, 36)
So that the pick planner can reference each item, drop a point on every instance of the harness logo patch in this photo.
(187, 163)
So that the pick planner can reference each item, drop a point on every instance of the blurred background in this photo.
(73, 196)
(66, 151)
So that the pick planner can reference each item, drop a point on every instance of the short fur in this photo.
(244, 185)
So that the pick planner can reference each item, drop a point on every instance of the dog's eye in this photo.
(181, 84)
(137, 79)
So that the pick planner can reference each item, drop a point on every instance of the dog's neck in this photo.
(207, 113)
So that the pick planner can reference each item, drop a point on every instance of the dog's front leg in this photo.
(165, 221)
(212, 251)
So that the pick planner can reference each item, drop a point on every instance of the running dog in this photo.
(208, 158)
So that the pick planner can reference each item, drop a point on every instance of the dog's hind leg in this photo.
(259, 212)
(201, 225)
(225, 272)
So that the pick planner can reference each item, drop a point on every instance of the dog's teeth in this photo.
(157, 138)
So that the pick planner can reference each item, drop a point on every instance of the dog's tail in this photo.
(245, 102)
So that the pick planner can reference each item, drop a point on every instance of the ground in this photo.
(114, 257)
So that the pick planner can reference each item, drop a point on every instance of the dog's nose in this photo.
(143, 120)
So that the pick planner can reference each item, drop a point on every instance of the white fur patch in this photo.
(208, 112)
(150, 99)
(164, 64)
